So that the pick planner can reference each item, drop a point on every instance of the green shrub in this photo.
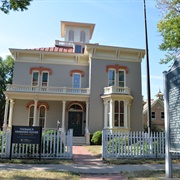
(97, 138)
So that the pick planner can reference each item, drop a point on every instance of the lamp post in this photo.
(148, 73)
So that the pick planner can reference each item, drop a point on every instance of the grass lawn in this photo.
(36, 161)
(149, 175)
(97, 151)
(45, 175)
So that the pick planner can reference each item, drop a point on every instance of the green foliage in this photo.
(6, 75)
(15, 5)
(154, 128)
(51, 136)
(169, 28)
(117, 145)
(97, 138)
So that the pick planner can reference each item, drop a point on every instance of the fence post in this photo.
(103, 143)
(71, 141)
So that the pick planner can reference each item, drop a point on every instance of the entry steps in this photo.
(79, 140)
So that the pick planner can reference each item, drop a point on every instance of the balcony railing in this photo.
(117, 90)
(44, 89)
(67, 43)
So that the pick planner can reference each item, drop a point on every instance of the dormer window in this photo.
(78, 48)
(71, 35)
(82, 37)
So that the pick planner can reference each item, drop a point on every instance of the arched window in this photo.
(82, 37)
(71, 35)
(42, 116)
(119, 114)
(75, 107)
(42, 108)
(31, 115)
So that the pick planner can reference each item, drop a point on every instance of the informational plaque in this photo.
(173, 103)
(26, 134)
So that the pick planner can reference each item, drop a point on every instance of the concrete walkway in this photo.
(83, 158)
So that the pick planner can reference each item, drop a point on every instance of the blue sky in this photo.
(118, 23)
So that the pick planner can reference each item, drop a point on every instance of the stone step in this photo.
(79, 140)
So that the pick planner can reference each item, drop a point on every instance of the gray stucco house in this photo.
(83, 86)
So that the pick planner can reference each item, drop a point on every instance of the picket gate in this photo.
(55, 144)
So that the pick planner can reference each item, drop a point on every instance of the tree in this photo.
(6, 74)
(16, 5)
(169, 27)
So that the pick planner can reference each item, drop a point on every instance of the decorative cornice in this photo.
(116, 67)
(77, 71)
(38, 105)
(40, 69)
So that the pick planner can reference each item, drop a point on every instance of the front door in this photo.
(75, 123)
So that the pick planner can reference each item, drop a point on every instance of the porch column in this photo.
(11, 113)
(87, 120)
(105, 113)
(87, 124)
(35, 113)
(63, 115)
(6, 113)
(129, 113)
(111, 123)
(126, 114)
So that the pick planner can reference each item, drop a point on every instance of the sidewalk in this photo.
(89, 166)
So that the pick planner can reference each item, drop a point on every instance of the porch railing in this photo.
(117, 90)
(44, 89)
(55, 144)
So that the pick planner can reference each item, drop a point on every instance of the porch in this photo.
(59, 108)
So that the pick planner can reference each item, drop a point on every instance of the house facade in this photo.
(76, 85)
(157, 111)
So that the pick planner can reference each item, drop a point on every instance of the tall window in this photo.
(31, 115)
(42, 114)
(82, 36)
(71, 35)
(44, 78)
(111, 77)
(121, 78)
(35, 78)
(38, 79)
(119, 114)
(76, 80)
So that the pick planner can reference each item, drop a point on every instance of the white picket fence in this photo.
(117, 144)
(55, 144)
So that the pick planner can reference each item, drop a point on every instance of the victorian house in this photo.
(76, 85)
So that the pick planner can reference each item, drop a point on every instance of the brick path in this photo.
(82, 156)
